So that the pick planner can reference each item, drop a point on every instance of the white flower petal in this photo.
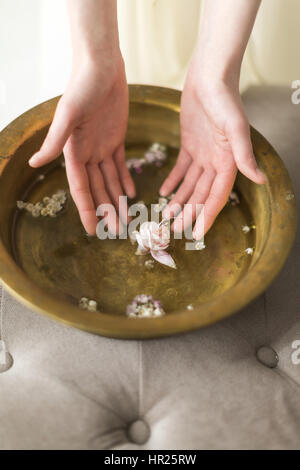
(140, 242)
(164, 258)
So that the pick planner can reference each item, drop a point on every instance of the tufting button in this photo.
(267, 356)
(138, 432)
(6, 360)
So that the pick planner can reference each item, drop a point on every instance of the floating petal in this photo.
(164, 258)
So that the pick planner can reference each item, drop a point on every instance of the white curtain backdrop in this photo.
(157, 40)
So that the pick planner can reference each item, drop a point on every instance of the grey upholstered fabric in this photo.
(206, 389)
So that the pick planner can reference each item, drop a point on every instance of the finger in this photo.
(184, 192)
(81, 193)
(58, 134)
(177, 173)
(113, 187)
(215, 202)
(101, 196)
(240, 141)
(124, 173)
(199, 196)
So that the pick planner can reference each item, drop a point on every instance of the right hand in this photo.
(215, 142)
(90, 125)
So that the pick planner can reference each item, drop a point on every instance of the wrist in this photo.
(102, 62)
(209, 70)
(94, 30)
(207, 78)
(95, 53)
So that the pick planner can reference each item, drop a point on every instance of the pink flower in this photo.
(155, 238)
(144, 306)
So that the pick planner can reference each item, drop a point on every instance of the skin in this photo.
(91, 118)
(215, 135)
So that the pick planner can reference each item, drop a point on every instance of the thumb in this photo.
(58, 134)
(240, 141)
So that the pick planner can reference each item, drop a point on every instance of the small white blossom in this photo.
(29, 207)
(35, 212)
(200, 246)
(21, 204)
(233, 198)
(149, 264)
(92, 305)
(249, 251)
(88, 304)
(289, 196)
(162, 201)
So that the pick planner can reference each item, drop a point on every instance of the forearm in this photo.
(94, 29)
(223, 38)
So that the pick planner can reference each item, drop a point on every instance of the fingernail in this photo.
(131, 193)
(171, 211)
(261, 175)
(33, 159)
(166, 213)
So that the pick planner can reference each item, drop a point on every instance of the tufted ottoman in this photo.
(234, 385)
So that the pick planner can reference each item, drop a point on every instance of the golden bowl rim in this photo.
(283, 225)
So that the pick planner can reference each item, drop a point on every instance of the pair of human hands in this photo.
(90, 125)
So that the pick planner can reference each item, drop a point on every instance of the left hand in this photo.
(215, 142)
(90, 126)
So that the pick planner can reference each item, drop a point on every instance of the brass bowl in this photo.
(49, 264)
